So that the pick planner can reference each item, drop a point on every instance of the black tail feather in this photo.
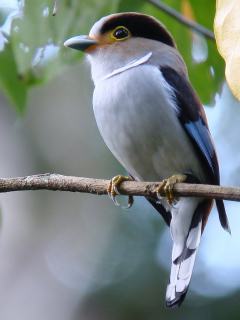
(178, 300)
(160, 208)
(223, 215)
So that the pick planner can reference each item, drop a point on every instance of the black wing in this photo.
(192, 117)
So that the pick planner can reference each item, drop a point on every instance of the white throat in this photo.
(131, 64)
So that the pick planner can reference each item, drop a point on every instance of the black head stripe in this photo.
(139, 25)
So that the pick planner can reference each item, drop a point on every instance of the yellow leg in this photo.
(168, 185)
(112, 189)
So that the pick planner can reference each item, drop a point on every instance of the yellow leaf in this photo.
(227, 33)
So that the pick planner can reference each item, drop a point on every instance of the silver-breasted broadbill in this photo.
(154, 123)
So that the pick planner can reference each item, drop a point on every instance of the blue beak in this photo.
(81, 43)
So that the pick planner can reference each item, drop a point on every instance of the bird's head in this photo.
(117, 39)
(117, 28)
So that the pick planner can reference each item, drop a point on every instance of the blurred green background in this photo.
(77, 256)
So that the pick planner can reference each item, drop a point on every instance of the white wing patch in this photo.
(132, 64)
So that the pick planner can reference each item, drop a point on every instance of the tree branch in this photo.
(57, 182)
(179, 17)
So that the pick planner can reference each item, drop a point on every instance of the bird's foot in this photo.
(112, 189)
(167, 187)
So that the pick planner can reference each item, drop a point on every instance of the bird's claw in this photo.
(167, 186)
(113, 191)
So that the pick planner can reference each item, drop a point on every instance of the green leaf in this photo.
(128, 6)
(10, 81)
(37, 37)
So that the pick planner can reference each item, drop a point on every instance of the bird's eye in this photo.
(120, 33)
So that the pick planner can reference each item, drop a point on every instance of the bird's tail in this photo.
(182, 265)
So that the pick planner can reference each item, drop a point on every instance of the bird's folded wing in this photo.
(191, 114)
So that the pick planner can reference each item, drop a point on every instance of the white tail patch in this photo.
(182, 267)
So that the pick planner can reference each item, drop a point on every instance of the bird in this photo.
(153, 122)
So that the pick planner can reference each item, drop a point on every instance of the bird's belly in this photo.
(140, 126)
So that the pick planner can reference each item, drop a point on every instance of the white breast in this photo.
(137, 118)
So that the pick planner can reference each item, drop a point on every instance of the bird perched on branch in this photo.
(153, 122)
